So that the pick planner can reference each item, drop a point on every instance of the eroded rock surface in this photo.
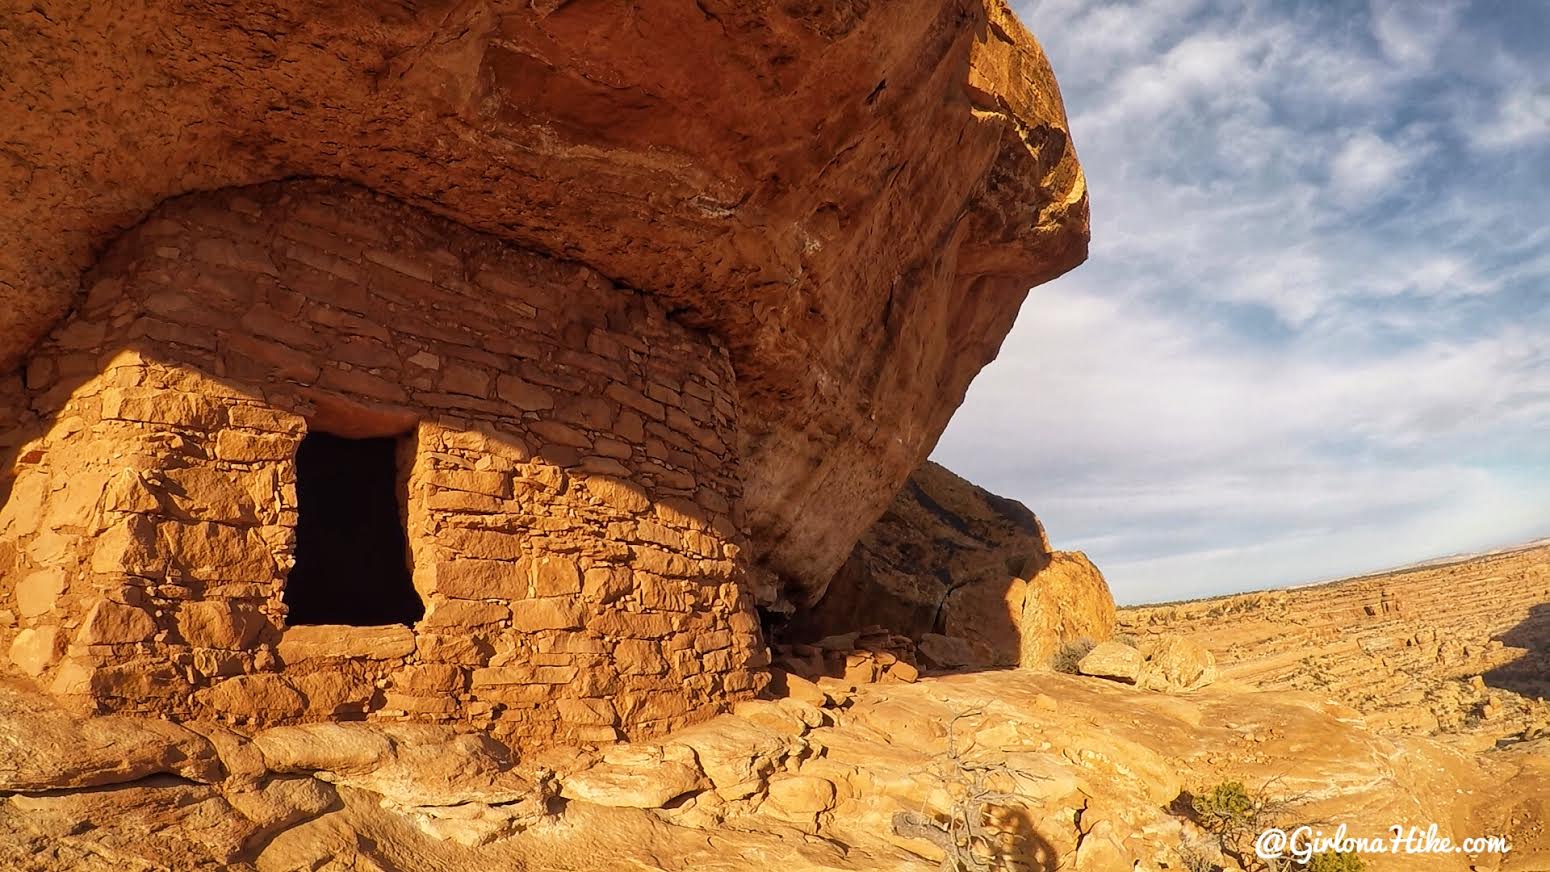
(952, 559)
(1456, 649)
(789, 176)
(852, 778)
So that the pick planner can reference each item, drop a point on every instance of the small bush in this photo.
(1070, 654)
(1228, 807)
(1335, 861)
(1128, 640)
(1235, 815)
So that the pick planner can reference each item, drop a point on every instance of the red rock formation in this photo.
(854, 197)
(952, 558)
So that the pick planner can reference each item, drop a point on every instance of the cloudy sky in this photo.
(1313, 335)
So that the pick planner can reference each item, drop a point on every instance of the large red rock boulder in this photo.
(952, 559)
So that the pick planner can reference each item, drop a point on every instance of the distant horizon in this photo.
(1439, 560)
(1309, 340)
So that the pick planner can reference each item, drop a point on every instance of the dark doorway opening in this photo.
(352, 558)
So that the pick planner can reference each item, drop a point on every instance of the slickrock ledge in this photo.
(792, 177)
(857, 778)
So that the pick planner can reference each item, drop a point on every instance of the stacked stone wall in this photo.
(571, 490)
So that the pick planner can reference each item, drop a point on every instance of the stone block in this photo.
(490, 483)
(265, 697)
(364, 352)
(35, 649)
(630, 427)
(208, 494)
(361, 383)
(523, 394)
(481, 544)
(459, 378)
(329, 641)
(152, 406)
(251, 416)
(415, 704)
(216, 663)
(481, 579)
(638, 625)
(556, 613)
(618, 493)
(523, 674)
(217, 551)
(660, 562)
(404, 263)
(464, 613)
(605, 584)
(462, 502)
(660, 535)
(127, 493)
(587, 711)
(218, 624)
(110, 623)
(639, 657)
(455, 648)
(331, 693)
(634, 399)
(590, 412)
(556, 433)
(37, 593)
(597, 465)
(554, 576)
(279, 360)
(429, 678)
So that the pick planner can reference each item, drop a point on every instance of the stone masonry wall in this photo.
(572, 502)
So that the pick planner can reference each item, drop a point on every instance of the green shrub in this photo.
(1235, 815)
(1070, 654)
(1335, 861)
(1225, 808)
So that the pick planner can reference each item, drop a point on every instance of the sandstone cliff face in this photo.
(854, 197)
(951, 558)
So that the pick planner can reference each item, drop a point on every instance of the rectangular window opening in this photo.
(352, 554)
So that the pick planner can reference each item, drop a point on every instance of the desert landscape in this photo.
(1456, 649)
(485, 436)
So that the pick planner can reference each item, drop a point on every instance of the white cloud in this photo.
(1132, 431)
(1107, 35)
(1522, 118)
(1367, 165)
(1409, 32)
(1309, 339)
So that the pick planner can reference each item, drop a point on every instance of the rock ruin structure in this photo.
(261, 385)
(487, 364)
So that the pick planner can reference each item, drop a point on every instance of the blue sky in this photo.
(1313, 335)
